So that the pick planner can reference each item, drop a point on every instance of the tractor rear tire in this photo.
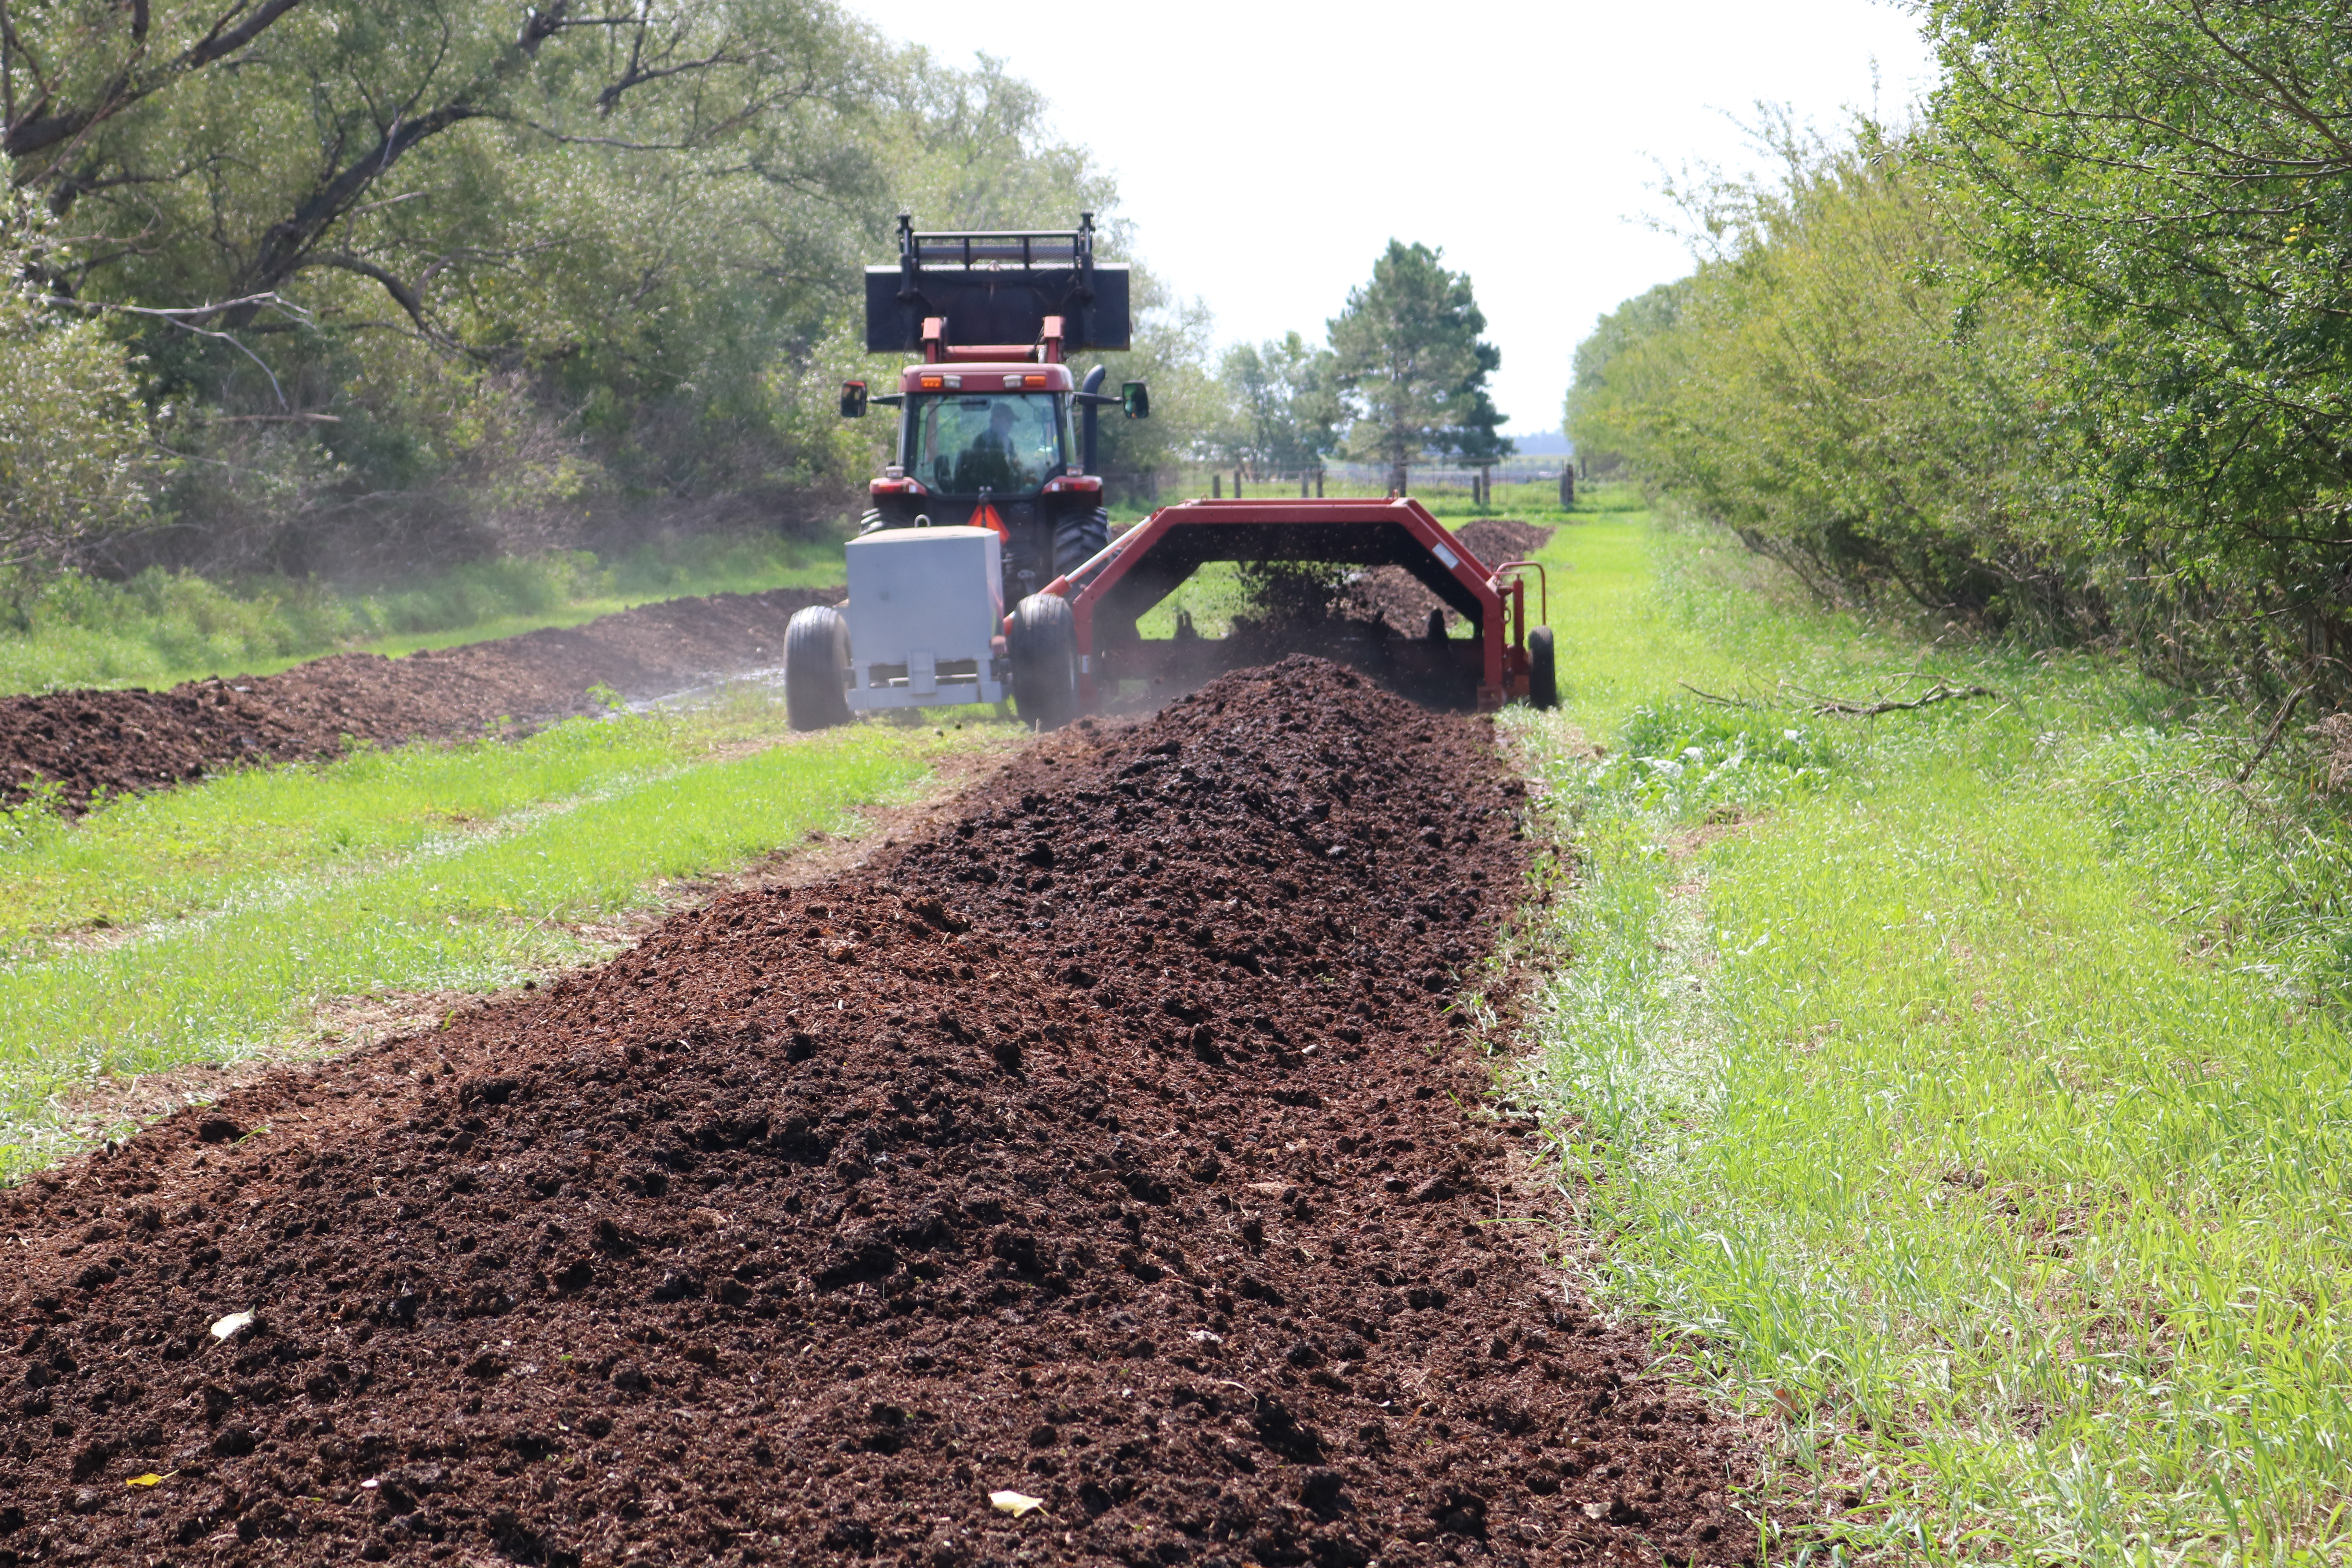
(1079, 540)
(1045, 648)
(816, 669)
(1543, 669)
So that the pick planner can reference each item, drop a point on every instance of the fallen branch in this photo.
(185, 317)
(1846, 707)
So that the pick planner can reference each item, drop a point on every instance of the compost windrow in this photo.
(81, 743)
(1118, 1148)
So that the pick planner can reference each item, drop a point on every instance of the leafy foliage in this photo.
(2176, 179)
(438, 277)
(1824, 385)
(2075, 355)
(75, 458)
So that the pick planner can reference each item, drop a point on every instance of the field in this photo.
(1011, 1195)
(1958, 1087)
(1938, 1115)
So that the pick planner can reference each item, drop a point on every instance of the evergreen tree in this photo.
(1409, 360)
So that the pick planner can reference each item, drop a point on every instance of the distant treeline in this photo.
(338, 286)
(2068, 357)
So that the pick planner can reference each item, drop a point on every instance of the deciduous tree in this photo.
(1282, 409)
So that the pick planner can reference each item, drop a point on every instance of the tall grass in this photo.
(162, 627)
(1966, 1089)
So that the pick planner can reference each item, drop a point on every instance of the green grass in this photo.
(160, 629)
(1971, 1098)
(243, 905)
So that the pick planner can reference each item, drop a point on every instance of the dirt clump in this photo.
(1117, 1146)
(86, 743)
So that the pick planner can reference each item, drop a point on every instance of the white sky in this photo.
(1266, 153)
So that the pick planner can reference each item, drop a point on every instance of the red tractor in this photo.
(992, 498)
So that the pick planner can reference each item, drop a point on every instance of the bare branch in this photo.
(1841, 707)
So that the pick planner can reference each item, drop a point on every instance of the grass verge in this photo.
(235, 909)
(1964, 1089)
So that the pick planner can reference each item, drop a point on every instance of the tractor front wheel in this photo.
(1543, 669)
(1045, 648)
(816, 669)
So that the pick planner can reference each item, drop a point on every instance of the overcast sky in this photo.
(1268, 153)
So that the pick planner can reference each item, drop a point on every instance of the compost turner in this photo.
(1502, 659)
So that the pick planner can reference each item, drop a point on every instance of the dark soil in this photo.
(1395, 596)
(118, 742)
(1119, 1145)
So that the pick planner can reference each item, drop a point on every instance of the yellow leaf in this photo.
(149, 1479)
(1017, 1504)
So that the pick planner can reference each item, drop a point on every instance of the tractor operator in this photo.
(988, 462)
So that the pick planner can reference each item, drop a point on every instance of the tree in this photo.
(1823, 384)
(1281, 405)
(1408, 357)
(1602, 391)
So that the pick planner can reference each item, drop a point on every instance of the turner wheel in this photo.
(1543, 669)
(1044, 661)
(816, 669)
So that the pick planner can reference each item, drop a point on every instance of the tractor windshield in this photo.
(1009, 444)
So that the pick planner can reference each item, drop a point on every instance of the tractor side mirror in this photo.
(1136, 399)
(853, 400)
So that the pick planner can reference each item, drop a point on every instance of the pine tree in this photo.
(1411, 362)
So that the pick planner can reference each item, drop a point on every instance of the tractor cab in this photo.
(994, 447)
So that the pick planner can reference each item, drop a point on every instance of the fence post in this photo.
(1566, 485)
(1216, 487)
(1302, 487)
(1318, 482)
(1237, 484)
